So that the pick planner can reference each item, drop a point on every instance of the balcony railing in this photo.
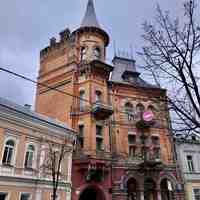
(99, 110)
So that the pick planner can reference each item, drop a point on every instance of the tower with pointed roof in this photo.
(124, 138)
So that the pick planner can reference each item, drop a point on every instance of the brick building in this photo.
(124, 149)
(24, 150)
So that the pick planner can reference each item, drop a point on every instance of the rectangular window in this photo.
(81, 136)
(196, 193)
(190, 163)
(155, 140)
(25, 196)
(131, 139)
(132, 151)
(3, 196)
(157, 153)
(99, 130)
(99, 138)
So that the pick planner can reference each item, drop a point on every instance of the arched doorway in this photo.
(92, 193)
(167, 190)
(132, 189)
(150, 192)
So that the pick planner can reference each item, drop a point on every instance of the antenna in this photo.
(114, 46)
(131, 51)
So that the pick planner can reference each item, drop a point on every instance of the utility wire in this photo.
(42, 84)
(49, 87)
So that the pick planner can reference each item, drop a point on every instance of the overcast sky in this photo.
(27, 25)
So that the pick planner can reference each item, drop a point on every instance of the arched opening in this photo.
(150, 192)
(97, 53)
(128, 107)
(132, 189)
(167, 191)
(83, 53)
(139, 110)
(92, 193)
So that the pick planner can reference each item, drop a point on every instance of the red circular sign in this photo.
(148, 116)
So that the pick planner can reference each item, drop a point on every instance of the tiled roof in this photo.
(124, 65)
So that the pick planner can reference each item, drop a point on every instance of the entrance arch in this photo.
(92, 193)
(150, 192)
(132, 189)
(167, 190)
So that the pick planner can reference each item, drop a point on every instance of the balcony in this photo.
(150, 161)
(101, 111)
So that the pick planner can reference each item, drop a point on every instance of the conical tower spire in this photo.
(90, 23)
(90, 18)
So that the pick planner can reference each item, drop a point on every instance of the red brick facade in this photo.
(109, 161)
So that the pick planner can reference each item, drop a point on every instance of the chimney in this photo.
(52, 42)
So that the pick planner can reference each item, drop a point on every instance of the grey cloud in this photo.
(27, 25)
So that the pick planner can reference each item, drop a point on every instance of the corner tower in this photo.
(92, 40)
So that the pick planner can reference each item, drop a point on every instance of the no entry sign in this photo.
(148, 116)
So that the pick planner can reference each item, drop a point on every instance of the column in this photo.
(141, 195)
(159, 195)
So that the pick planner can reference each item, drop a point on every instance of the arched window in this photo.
(129, 111)
(8, 152)
(132, 189)
(98, 95)
(29, 158)
(83, 53)
(82, 101)
(167, 190)
(97, 53)
(140, 109)
(152, 109)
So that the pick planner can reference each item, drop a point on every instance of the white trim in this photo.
(34, 163)
(193, 197)
(16, 141)
(7, 195)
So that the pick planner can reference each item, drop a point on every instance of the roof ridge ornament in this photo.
(90, 18)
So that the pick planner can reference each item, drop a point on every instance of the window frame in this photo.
(100, 137)
(25, 193)
(34, 161)
(129, 111)
(14, 153)
(193, 193)
(97, 53)
(7, 195)
(192, 167)
(81, 101)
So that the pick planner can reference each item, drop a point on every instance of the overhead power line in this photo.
(49, 87)
(42, 84)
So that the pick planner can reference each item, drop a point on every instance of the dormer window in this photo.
(97, 53)
(83, 53)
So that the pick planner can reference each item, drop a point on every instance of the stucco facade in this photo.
(25, 136)
(188, 157)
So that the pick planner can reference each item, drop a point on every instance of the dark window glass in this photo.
(190, 163)
(81, 136)
(3, 196)
(29, 156)
(8, 152)
(25, 196)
